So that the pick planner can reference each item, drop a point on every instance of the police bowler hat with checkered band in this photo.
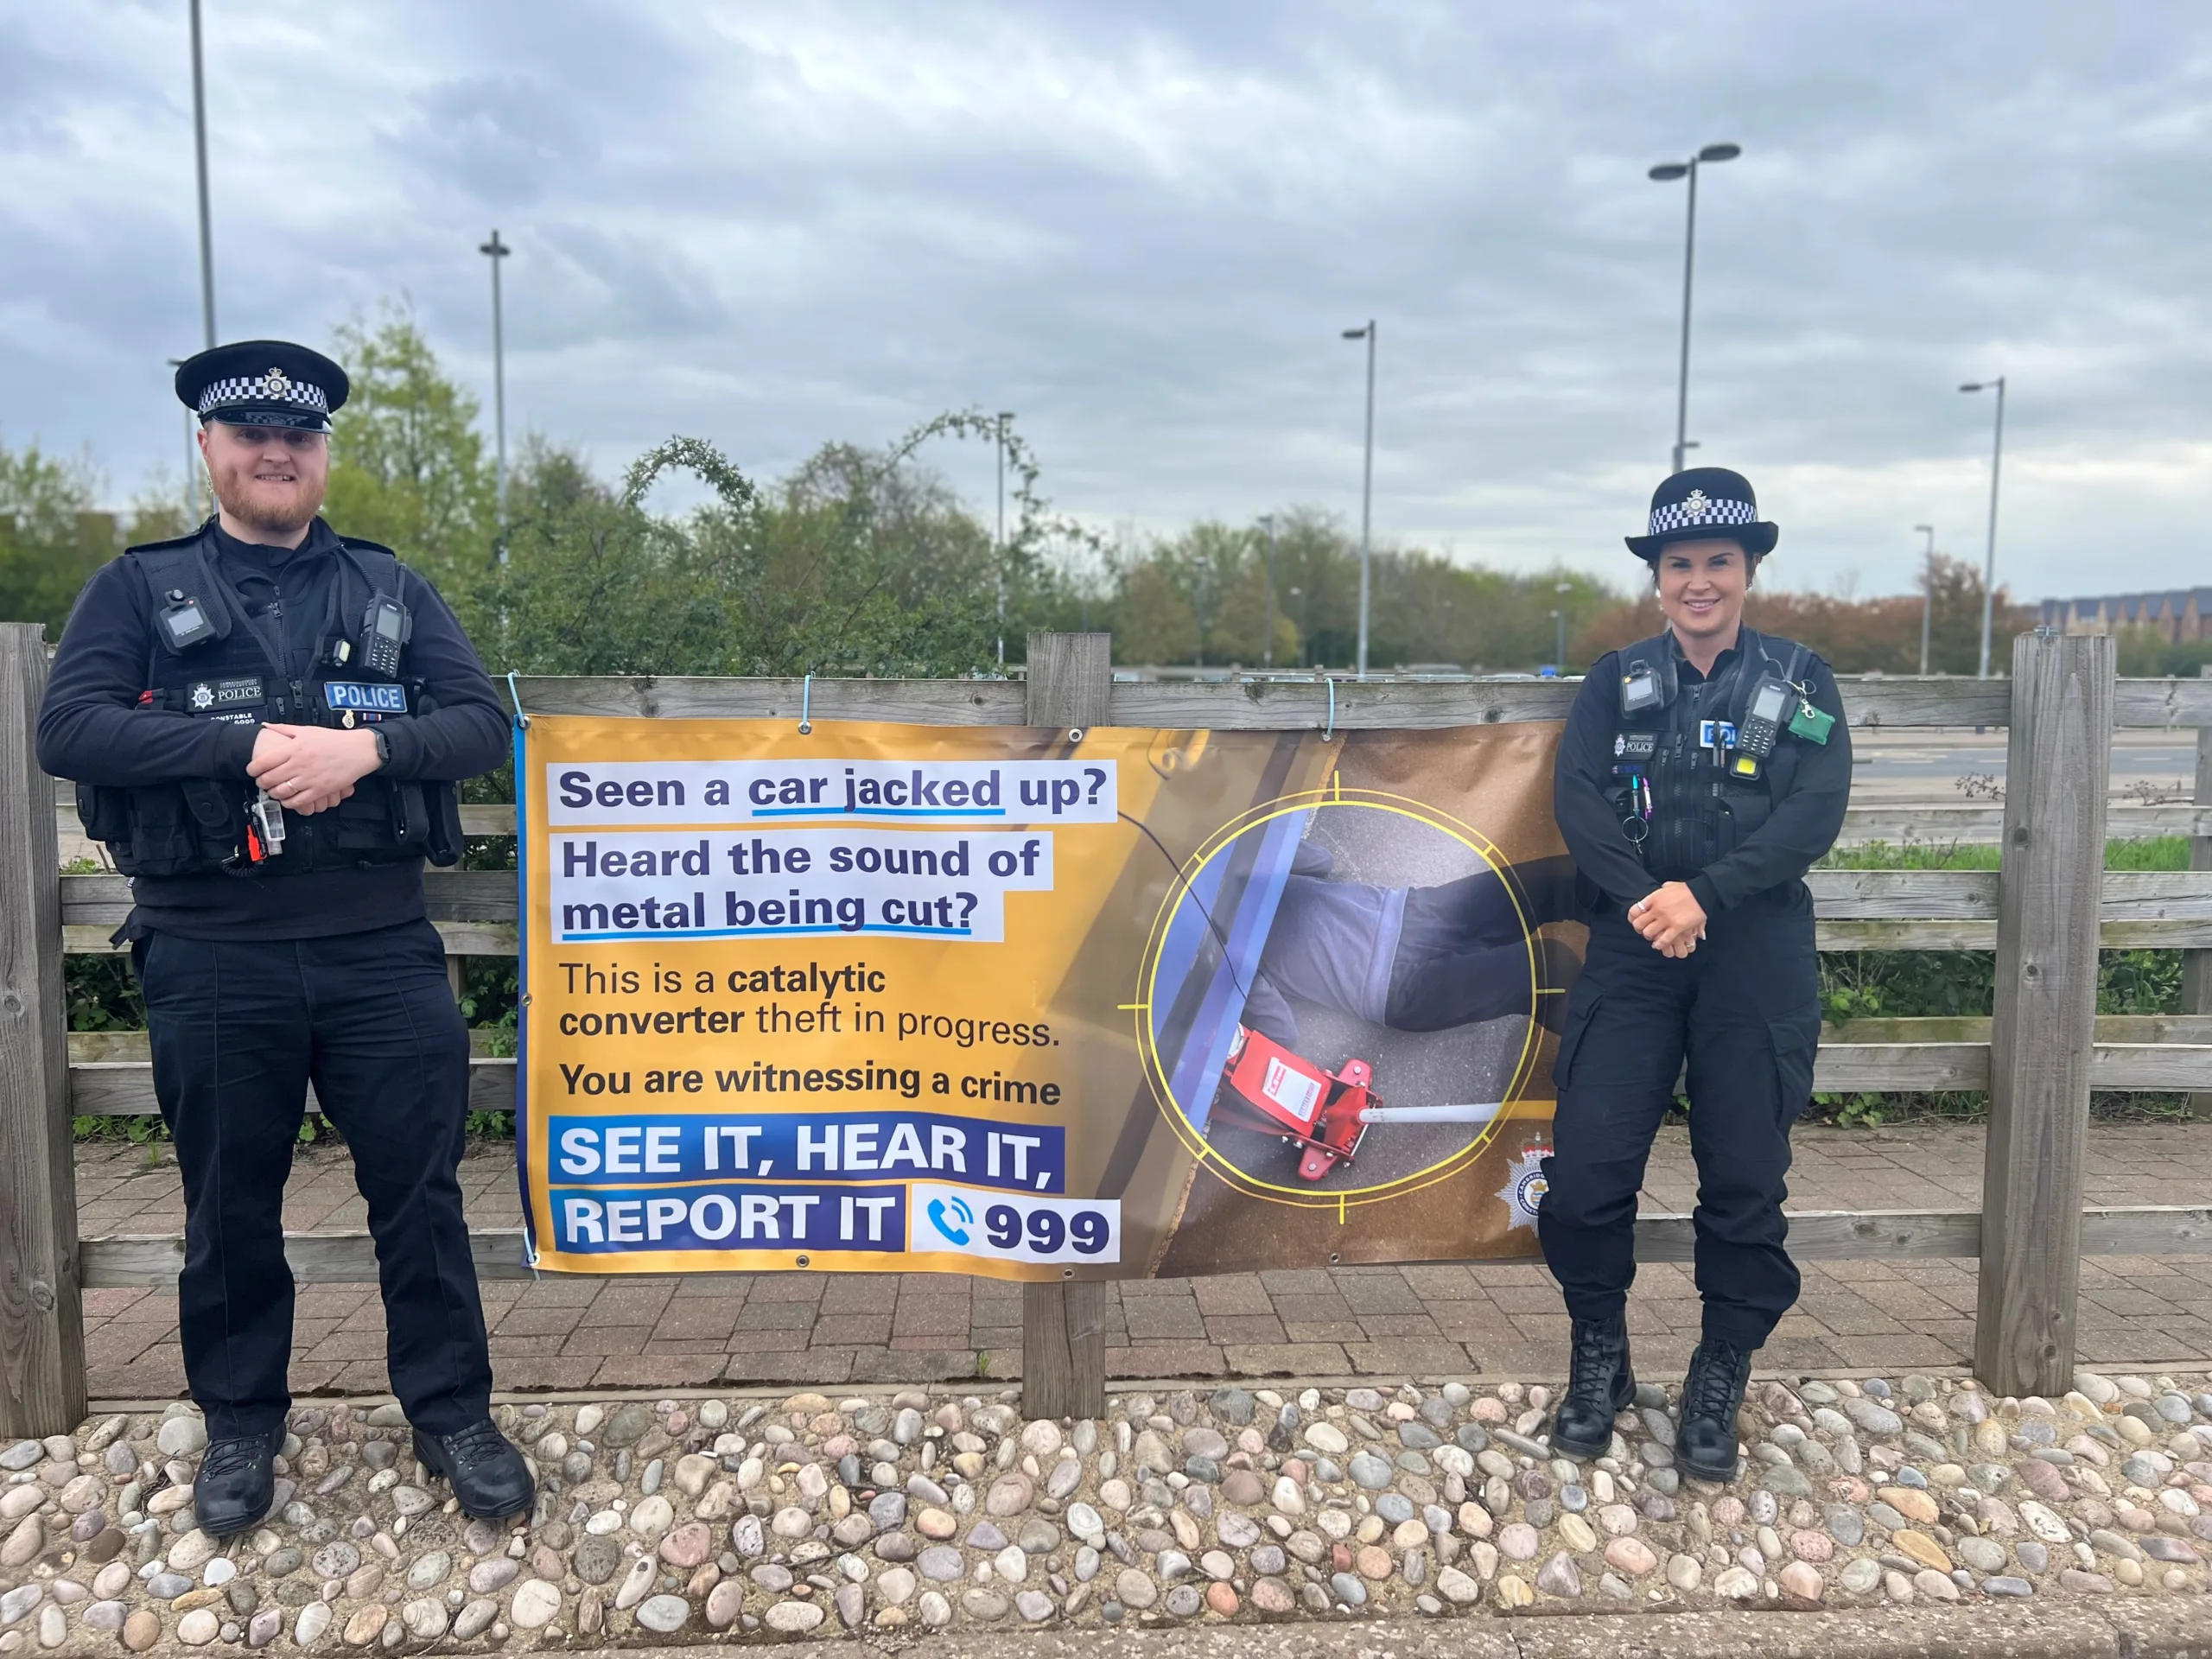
(1706, 503)
(262, 383)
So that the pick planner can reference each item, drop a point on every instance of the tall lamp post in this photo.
(192, 470)
(1989, 559)
(199, 153)
(999, 563)
(1927, 592)
(496, 251)
(1665, 173)
(1560, 617)
(1267, 640)
(1366, 486)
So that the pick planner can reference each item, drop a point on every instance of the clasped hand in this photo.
(311, 769)
(1671, 919)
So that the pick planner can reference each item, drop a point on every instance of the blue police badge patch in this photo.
(365, 698)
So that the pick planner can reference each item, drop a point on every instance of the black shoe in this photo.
(488, 1475)
(1713, 1393)
(236, 1484)
(1598, 1385)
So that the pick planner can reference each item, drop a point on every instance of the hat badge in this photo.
(276, 383)
(1696, 504)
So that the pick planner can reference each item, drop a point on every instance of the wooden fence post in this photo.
(1064, 1323)
(41, 1306)
(2196, 965)
(2058, 769)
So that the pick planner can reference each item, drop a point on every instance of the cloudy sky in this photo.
(1143, 227)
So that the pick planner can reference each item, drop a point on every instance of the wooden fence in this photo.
(2045, 914)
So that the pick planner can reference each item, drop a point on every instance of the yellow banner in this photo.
(993, 1001)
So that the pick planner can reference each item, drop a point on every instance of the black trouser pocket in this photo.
(1582, 1013)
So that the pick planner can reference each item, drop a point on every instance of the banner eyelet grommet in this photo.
(1075, 735)
(515, 697)
(807, 710)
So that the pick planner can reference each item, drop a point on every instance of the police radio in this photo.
(184, 619)
(1762, 724)
(384, 630)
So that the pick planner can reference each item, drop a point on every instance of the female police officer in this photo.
(1701, 772)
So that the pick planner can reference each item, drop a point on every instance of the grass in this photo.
(1910, 984)
(2158, 853)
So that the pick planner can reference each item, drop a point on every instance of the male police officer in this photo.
(266, 721)
(1701, 772)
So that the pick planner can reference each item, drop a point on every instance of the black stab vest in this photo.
(198, 826)
(1700, 811)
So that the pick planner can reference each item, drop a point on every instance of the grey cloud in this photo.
(1143, 227)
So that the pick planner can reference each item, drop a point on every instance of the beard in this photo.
(266, 511)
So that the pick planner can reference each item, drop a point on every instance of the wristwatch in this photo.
(384, 747)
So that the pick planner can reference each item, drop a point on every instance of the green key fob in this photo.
(1812, 724)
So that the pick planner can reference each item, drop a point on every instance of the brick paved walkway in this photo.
(823, 1328)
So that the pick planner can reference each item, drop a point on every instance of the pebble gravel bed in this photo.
(695, 1518)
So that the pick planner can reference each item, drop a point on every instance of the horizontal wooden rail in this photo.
(459, 938)
(135, 1261)
(474, 911)
(1282, 704)
(1940, 825)
(124, 1088)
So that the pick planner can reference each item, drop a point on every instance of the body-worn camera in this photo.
(1646, 685)
(185, 622)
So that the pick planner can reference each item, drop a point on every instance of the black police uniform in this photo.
(281, 949)
(1651, 793)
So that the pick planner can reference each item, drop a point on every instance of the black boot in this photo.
(488, 1475)
(235, 1483)
(1713, 1393)
(1599, 1384)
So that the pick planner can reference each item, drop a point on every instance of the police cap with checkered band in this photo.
(1706, 503)
(262, 383)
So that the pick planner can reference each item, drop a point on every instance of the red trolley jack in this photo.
(1326, 1115)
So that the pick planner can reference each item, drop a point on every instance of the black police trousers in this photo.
(1744, 1008)
(238, 1029)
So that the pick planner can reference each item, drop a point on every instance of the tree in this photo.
(853, 566)
(1879, 635)
(407, 464)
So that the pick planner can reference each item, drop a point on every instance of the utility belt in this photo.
(202, 825)
(207, 663)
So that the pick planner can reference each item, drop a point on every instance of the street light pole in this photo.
(192, 470)
(496, 251)
(1989, 559)
(1927, 592)
(1267, 640)
(1366, 487)
(199, 150)
(1559, 615)
(1665, 172)
(1005, 415)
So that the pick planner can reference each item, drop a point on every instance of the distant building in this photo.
(2178, 615)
